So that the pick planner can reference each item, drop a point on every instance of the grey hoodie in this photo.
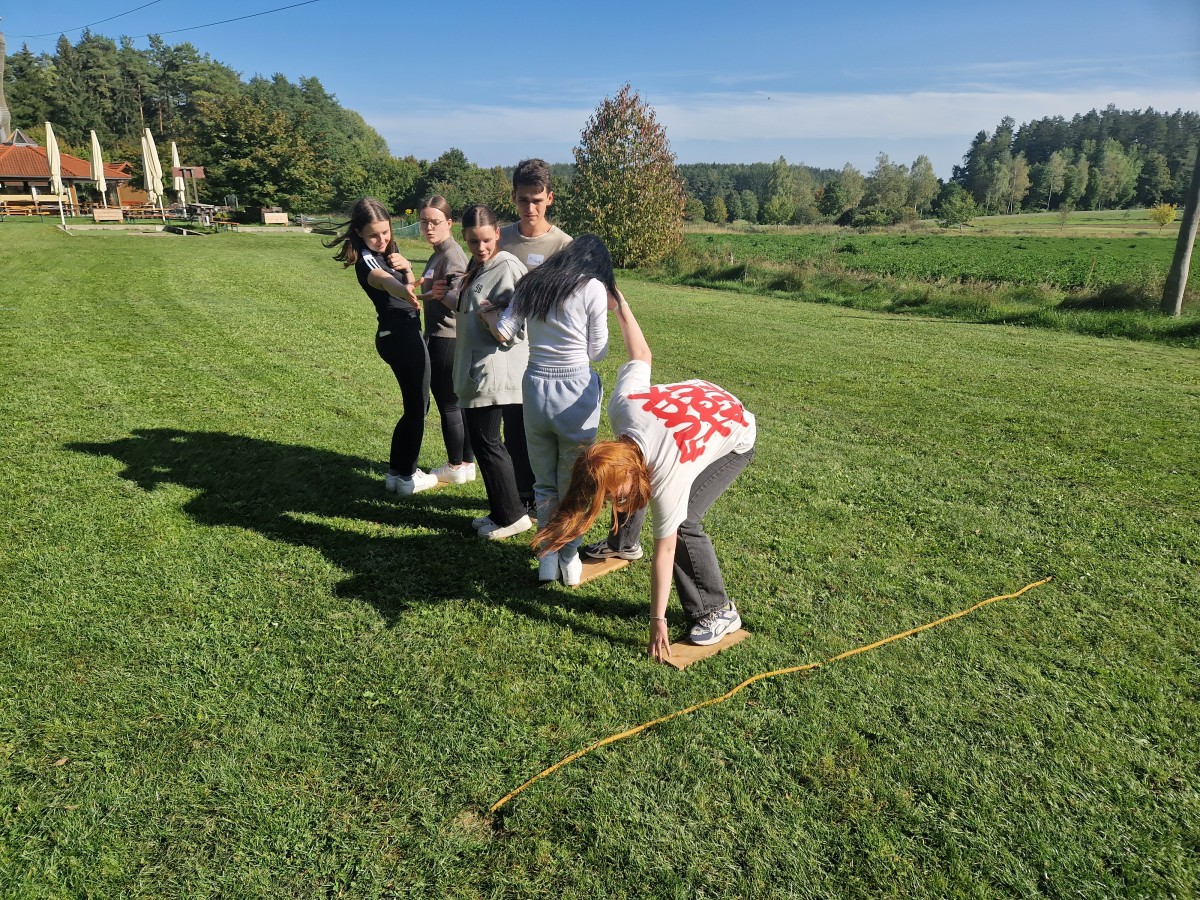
(486, 372)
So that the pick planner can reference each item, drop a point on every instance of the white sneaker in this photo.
(452, 475)
(711, 628)
(571, 568)
(499, 533)
(390, 481)
(483, 522)
(420, 481)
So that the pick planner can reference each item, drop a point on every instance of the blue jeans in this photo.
(698, 579)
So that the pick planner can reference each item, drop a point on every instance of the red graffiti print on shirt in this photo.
(693, 412)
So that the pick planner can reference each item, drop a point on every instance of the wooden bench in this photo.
(13, 207)
(274, 218)
(107, 215)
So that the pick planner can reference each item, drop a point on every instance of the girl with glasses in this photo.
(445, 266)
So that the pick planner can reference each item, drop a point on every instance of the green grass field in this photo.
(233, 667)
(1083, 283)
(1069, 263)
(1115, 223)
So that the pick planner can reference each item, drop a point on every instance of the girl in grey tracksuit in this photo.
(564, 304)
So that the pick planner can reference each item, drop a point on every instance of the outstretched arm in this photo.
(661, 573)
(635, 342)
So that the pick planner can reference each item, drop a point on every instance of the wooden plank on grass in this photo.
(597, 568)
(683, 654)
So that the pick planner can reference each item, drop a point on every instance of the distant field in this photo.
(1062, 262)
(1089, 223)
(1101, 223)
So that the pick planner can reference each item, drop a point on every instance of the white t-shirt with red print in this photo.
(681, 429)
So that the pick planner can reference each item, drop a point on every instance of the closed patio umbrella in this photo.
(54, 159)
(153, 168)
(178, 185)
(98, 170)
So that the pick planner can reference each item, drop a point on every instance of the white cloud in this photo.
(888, 116)
(822, 129)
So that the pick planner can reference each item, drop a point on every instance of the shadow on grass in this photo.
(1123, 297)
(332, 503)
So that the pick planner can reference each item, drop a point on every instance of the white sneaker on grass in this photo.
(482, 522)
(710, 628)
(420, 481)
(500, 532)
(571, 568)
(460, 474)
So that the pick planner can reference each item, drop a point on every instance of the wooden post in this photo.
(1172, 300)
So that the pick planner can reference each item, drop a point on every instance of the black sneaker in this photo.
(711, 628)
(601, 550)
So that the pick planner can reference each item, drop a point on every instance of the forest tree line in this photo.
(272, 142)
(1112, 159)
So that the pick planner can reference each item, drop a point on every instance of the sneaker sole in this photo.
(416, 490)
(615, 554)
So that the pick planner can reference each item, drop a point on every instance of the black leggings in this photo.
(454, 432)
(401, 345)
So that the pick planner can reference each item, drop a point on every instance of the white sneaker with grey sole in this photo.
(452, 475)
(420, 481)
(500, 532)
(715, 625)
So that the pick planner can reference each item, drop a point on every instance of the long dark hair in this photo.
(350, 244)
(547, 286)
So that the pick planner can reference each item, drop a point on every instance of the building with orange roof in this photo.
(25, 175)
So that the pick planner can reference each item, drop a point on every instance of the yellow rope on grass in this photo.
(611, 739)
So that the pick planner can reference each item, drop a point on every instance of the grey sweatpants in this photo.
(562, 414)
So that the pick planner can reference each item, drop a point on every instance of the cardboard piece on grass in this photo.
(595, 568)
(683, 654)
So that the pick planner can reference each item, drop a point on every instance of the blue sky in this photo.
(822, 84)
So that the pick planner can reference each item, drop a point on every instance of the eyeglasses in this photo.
(430, 223)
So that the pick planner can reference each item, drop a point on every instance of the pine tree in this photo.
(627, 189)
